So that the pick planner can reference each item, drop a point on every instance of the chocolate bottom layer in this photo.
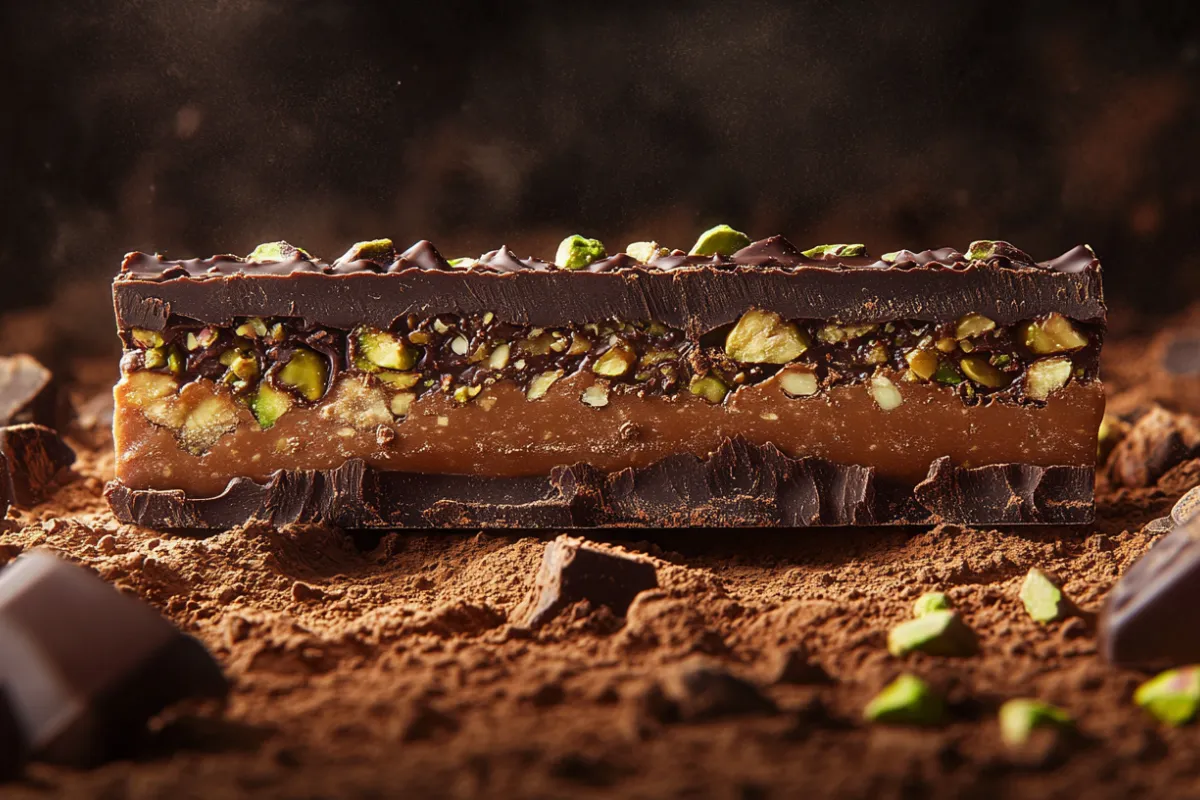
(739, 484)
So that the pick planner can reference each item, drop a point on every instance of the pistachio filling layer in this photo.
(274, 365)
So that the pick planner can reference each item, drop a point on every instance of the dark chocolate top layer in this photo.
(697, 293)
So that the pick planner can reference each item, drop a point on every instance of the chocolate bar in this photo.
(739, 384)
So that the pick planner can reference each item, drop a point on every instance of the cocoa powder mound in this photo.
(381, 666)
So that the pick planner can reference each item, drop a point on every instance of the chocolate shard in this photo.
(1012, 494)
(84, 666)
(1158, 440)
(30, 457)
(573, 570)
(28, 392)
(1147, 620)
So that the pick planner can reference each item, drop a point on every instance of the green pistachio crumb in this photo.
(841, 250)
(719, 241)
(1044, 601)
(1172, 697)
(937, 633)
(908, 700)
(1020, 717)
(576, 252)
(931, 601)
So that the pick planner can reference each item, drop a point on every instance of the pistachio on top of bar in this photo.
(915, 372)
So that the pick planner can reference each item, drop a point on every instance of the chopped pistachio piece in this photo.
(276, 251)
(984, 249)
(931, 601)
(401, 403)
(269, 404)
(399, 380)
(907, 700)
(763, 337)
(719, 241)
(1054, 334)
(175, 361)
(459, 345)
(540, 384)
(464, 394)
(595, 395)
(1020, 717)
(615, 363)
(307, 373)
(841, 250)
(381, 250)
(835, 334)
(652, 357)
(580, 344)
(798, 382)
(1045, 377)
(383, 350)
(253, 328)
(576, 252)
(979, 370)
(1044, 601)
(948, 374)
(885, 393)
(155, 358)
(645, 252)
(937, 633)
(499, 357)
(1173, 696)
(463, 263)
(890, 258)
(710, 387)
(245, 367)
(922, 363)
(146, 338)
(947, 344)
(973, 325)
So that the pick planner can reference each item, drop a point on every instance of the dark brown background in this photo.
(204, 126)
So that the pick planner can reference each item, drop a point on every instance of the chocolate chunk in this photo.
(573, 570)
(28, 392)
(1181, 356)
(1147, 620)
(30, 457)
(1007, 493)
(1157, 441)
(701, 690)
(84, 666)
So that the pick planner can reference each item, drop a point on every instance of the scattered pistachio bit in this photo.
(276, 251)
(967, 346)
(1044, 601)
(922, 363)
(175, 361)
(1045, 377)
(439, 326)
(269, 404)
(615, 362)
(885, 393)
(652, 357)
(841, 250)
(277, 332)
(459, 344)
(481, 353)
(908, 700)
(877, 354)
(948, 374)
(1021, 716)
(937, 633)
(381, 250)
(580, 344)
(401, 403)
(984, 249)
(488, 317)
(538, 344)
(420, 337)
(252, 328)
(835, 334)
(947, 344)
(762, 337)
(973, 325)
(576, 252)
(1054, 334)
(540, 384)
(192, 341)
(719, 241)
(463, 263)
(146, 338)
(399, 380)
(798, 382)
(499, 357)
(306, 372)
(710, 387)
(383, 350)
(245, 367)
(889, 258)
(595, 395)
(979, 370)
(645, 252)
(931, 601)
(1173, 696)
(155, 358)
(464, 394)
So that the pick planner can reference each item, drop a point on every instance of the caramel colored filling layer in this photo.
(503, 434)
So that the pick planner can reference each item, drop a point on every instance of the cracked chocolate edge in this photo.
(740, 484)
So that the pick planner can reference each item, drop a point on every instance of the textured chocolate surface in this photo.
(84, 667)
(30, 457)
(696, 294)
(1148, 619)
(738, 485)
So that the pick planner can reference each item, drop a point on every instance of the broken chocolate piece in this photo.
(28, 392)
(84, 667)
(30, 457)
(1007, 493)
(1158, 441)
(573, 570)
(1145, 622)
